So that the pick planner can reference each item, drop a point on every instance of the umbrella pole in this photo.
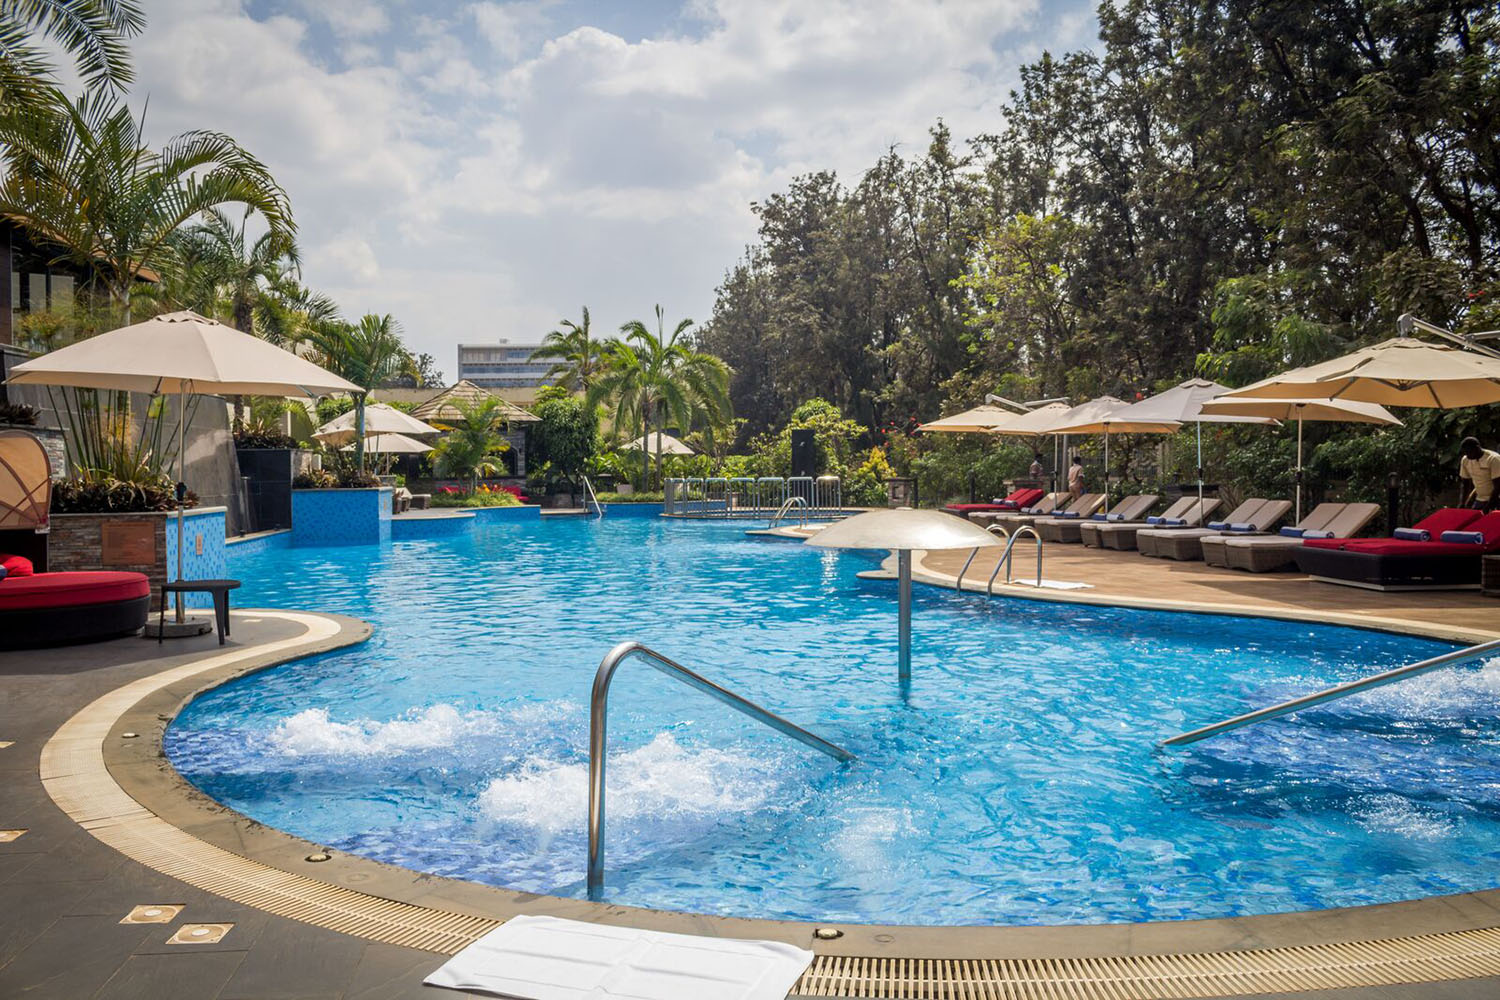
(1299, 467)
(181, 488)
(903, 654)
(1199, 425)
(1106, 468)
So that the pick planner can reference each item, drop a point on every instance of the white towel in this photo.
(548, 958)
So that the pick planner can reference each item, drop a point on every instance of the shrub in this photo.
(315, 479)
(608, 498)
(18, 414)
(115, 496)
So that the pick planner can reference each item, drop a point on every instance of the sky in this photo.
(482, 169)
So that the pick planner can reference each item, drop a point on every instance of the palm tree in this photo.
(658, 378)
(80, 177)
(474, 443)
(234, 275)
(93, 32)
(577, 358)
(366, 353)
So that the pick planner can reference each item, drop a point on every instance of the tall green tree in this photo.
(231, 275)
(656, 379)
(366, 353)
(79, 176)
(576, 356)
(93, 32)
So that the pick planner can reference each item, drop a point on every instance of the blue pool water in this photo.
(1019, 784)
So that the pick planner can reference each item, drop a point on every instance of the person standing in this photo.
(1075, 478)
(1037, 470)
(1481, 468)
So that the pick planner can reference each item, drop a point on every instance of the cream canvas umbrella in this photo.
(180, 354)
(1344, 411)
(979, 420)
(392, 444)
(380, 418)
(1035, 422)
(904, 530)
(1100, 416)
(649, 442)
(1400, 372)
(1183, 403)
(25, 482)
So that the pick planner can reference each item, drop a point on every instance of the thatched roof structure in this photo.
(442, 408)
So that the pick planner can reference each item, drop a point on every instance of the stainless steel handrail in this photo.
(1005, 557)
(599, 736)
(1336, 692)
(992, 529)
(786, 506)
(593, 497)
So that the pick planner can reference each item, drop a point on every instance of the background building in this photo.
(504, 367)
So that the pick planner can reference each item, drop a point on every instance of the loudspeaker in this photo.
(804, 454)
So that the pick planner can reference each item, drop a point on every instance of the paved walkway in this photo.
(63, 893)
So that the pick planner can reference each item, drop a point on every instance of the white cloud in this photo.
(482, 170)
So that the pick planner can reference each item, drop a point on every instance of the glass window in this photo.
(38, 291)
(62, 291)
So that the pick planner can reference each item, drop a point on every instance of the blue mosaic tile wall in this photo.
(341, 517)
(205, 555)
(632, 510)
(458, 523)
(239, 548)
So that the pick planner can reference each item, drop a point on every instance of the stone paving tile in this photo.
(73, 958)
(293, 960)
(178, 977)
(12, 864)
(26, 911)
(389, 972)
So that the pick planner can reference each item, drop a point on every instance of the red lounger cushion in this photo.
(64, 590)
(1017, 500)
(1486, 524)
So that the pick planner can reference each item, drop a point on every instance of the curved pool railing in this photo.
(599, 736)
(1338, 691)
(994, 529)
(786, 508)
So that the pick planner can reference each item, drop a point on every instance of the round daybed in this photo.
(55, 609)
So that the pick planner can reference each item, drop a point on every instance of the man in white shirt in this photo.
(1075, 478)
(1481, 467)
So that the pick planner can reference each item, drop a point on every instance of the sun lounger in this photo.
(1121, 536)
(1017, 500)
(1211, 547)
(1270, 553)
(1042, 507)
(1180, 541)
(1259, 521)
(1069, 530)
(1082, 507)
(1441, 552)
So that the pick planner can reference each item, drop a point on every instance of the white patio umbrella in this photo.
(648, 442)
(380, 418)
(392, 444)
(1100, 416)
(180, 354)
(1032, 424)
(1184, 403)
(903, 530)
(1345, 411)
(1400, 372)
(978, 420)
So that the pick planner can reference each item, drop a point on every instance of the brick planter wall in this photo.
(77, 543)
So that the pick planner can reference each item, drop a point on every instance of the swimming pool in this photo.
(1019, 783)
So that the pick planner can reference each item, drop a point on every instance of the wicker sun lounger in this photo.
(1042, 507)
(1215, 552)
(1069, 530)
(1265, 555)
(1180, 541)
(1120, 534)
(1084, 506)
(1261, 520)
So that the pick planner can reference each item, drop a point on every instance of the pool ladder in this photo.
(1005, 558)
(791, 502)
(599, 736)
(593, 499)
(1338, 691)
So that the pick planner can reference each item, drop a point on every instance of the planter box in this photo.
(270, 472)
(142, 543)
(341, 517)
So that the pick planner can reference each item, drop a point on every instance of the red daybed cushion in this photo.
(62, 590)
(1447, 519)
(1017, 500)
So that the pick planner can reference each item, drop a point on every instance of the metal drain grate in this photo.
(1425, 958)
